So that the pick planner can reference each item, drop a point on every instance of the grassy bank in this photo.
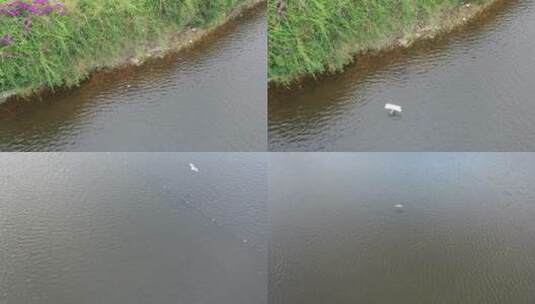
(312, 37)
(52, 43)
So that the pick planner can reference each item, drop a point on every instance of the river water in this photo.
(465, 233)
(133, 228)
(472, 90)
(212, 98)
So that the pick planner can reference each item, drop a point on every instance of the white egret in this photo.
(392, 109)
(193, 168)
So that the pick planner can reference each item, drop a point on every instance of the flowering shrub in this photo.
(36, 7)
(25, 10)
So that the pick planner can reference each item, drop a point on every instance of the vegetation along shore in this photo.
(53, 43)
(308, 38)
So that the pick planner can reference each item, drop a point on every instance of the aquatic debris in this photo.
(135, 61)
(193, 168)
(399, 207)
(393, 109)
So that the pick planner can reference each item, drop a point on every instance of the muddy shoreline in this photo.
(180, 42)
(453, 22)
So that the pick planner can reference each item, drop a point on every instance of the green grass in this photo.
(59, 50)
(311, 37)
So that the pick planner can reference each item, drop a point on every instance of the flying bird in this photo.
(193, 168)
(393, 109)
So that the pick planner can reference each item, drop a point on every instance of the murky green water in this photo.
(469, 91)
(212, 98)
(133, 228)
(465, 233)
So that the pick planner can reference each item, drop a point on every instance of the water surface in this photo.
(211, 98)
(465, 235)
(133, 228)
(472, 90)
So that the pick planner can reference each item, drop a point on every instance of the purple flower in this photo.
(27, 9)
(35, 7)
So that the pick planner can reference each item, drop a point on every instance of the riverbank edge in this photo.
(179, 41)
(442, 23)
